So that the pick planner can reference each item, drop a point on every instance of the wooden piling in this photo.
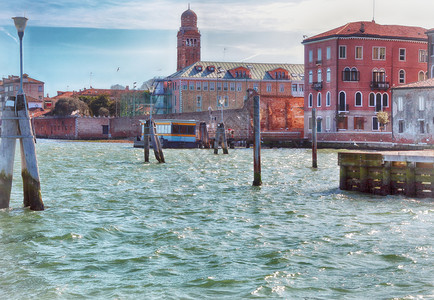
(257, 181)
(409, 173)
(7, 154)
(220, 139)
(203, 135)
(314, 140)
(146, 140)
(156, 145)
(16, 124)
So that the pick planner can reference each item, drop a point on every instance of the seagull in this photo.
(118, 69)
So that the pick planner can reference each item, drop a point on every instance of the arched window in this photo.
(310, 76)
(310, 101)
(318, 100)
(342, 101)
(385, 100)
(401, 76)
(346, 75)
(354, 74)
(371, 99)
(421, 76)
(378, 102)
(328, 99)
(358, 99)
(319, 75)
(328, 75)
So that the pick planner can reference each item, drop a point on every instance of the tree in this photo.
(67, 106)
(383, 118)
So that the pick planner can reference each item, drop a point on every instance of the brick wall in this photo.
(55, 127)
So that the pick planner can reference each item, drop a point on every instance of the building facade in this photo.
(349, 72)
(413, 113)
(34, 89)
(188, 40)
(430, 34)
(210, 86)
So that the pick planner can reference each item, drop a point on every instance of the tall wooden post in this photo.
(314, 143)
(156, 143)
(7, 153)
(220, 138)
(17, 125)
(257, 181)
(146, 140)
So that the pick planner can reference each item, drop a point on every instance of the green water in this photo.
(195, 228)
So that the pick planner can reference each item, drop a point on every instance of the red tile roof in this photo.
(372, 29)
(419, 84)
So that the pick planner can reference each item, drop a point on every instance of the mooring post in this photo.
(410, 189)
(7, 152)
(224, 141)
(385, 182)
(29, 163)
(146, 140)
(314, 144)
(156, 143)
(257, 181)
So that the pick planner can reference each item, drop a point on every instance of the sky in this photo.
(71, 45)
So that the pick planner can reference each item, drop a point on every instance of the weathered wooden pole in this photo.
(257, 181)
(314, 143)
(224, 141)
(7, 152)
(146, 140)
(29, 163)
(156, 143)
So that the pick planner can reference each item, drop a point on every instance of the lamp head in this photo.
(20, 23)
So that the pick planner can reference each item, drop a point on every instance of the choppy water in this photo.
(195, 228)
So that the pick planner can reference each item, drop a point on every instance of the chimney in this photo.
(362, 28)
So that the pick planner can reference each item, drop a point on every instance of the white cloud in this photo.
(308, 16)
(8, 34)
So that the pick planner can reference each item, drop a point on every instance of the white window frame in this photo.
(345, 52)
(361, 99)
(310, 55)
(310, 100)
(361, 52)
(421, 103)
(379, 56)
(378, 124)
(328, 75)
(328, 123)
(401, 80)
(328, 53)
(405, 54)
(319, 99)
(328, 99)
(310, 76)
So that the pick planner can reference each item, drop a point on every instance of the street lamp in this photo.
(221, 101)
(20, 24)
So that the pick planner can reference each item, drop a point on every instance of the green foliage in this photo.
(97, 103)
(67, 106)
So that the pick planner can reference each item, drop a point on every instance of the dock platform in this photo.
(409, 173)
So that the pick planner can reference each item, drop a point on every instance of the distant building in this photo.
(413, 113)
(34, 89)
(430, 34)
(349, 71)
(210, 85)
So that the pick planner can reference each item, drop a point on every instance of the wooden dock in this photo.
(409, 173)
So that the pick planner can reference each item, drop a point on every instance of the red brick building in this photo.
(349, 72)
(430, 34)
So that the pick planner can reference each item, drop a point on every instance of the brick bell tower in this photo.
(188, 40)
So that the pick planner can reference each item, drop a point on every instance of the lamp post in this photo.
(16, 125)
(221, 101)
(20, 24)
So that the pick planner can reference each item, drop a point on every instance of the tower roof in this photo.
(189, 19)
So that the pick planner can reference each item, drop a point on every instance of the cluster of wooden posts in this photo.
(388, 173)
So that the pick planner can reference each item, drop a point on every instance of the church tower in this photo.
(188, 40)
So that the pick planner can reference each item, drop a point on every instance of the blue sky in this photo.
(72, 44)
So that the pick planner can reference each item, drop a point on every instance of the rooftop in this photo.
(373, 30)
(429, 83)
(258, 71)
